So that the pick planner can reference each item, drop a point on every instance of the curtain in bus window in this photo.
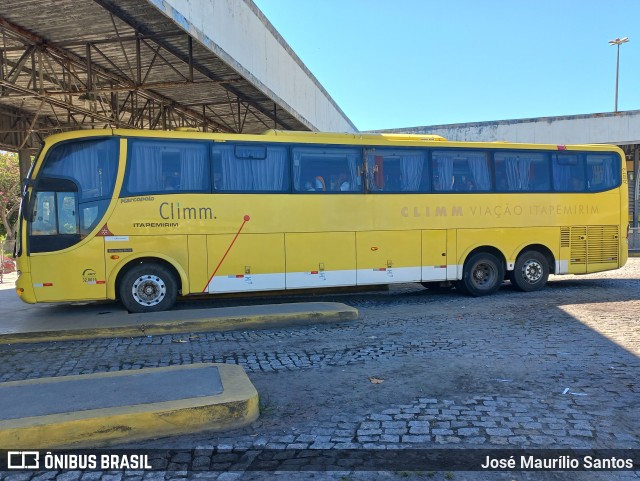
(443, 167)
(561, 175)
(480, 171)
(268, 174)
(353, 161)
(518, 170)
(297, 170)
(193, 163)
(81, 161)
(236, 173)
(411, 172)
(568, 173)
(602, 172)
(145, 174)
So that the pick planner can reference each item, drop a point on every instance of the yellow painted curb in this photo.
(208, 323)
(235, 407)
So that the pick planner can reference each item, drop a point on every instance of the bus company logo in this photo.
(146, 198)
(23, 460)
(89, 276)
(175, 211)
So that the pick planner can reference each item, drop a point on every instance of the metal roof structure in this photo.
(69, 64)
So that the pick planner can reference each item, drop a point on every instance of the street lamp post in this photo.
(617, 42)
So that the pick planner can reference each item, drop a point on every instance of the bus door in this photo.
(435, 255)
(63, 267)
(386, 257)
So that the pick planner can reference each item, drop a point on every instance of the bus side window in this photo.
(157, 166)
(395, 170)
(327, 169)
(254, 167)
(521, 171)
(568, 172)
(461, 171)
(603, 171)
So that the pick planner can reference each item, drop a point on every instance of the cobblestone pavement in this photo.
(420, 369)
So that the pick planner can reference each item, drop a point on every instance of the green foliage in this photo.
(9, 193)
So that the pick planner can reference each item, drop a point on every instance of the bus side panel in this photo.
(321, 259)
(250, 262)
(384, 257)
(434, 255)
(198, 259)
(75, 274)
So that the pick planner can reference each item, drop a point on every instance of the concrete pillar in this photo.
(636, 184)
(24, 161)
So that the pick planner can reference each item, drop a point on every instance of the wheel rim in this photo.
(149, 290)
(483, 275)
(532, 271)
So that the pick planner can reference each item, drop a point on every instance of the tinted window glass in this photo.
(460, 171)
(156, 166)
(327, 169)
(568, 172)
(91, 164)
(603, 171)
(396, 170)
(54, 213)
(522, 171)
(250, 168)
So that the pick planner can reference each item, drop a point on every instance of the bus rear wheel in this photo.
(482, 275)
(148, 288)
(530, 272)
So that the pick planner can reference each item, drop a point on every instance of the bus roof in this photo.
(377, 139)
(338, 135)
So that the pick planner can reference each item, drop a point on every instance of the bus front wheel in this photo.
(530, 272)
(148, 288)
(482, 275)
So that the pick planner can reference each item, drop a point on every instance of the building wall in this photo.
(607, 128)
(242, 36)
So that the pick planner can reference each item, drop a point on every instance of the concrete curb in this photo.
(189, 321)
(235, 407)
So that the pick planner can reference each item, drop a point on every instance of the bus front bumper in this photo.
(24, 288)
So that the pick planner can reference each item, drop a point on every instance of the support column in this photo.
(636, 185)
(24, 161)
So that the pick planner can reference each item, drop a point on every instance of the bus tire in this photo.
(530, 272)
(148, 288)
(482, 275)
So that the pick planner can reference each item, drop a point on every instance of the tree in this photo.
(9, 193)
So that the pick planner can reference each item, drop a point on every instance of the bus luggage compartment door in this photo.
(250, 262)
(386, 257)
(322, 259)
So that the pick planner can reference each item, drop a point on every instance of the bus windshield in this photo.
(73, 189)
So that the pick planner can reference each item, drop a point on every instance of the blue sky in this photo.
(405, 63)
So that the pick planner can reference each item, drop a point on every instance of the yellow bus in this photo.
(146, 216)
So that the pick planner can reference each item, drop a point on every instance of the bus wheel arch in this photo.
(483, 271)
(532, 268)
(148, 284)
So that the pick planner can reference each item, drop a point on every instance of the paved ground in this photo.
(553, 369)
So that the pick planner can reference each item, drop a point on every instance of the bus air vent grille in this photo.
(578, 245)
(565, 237)
(603, 244)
